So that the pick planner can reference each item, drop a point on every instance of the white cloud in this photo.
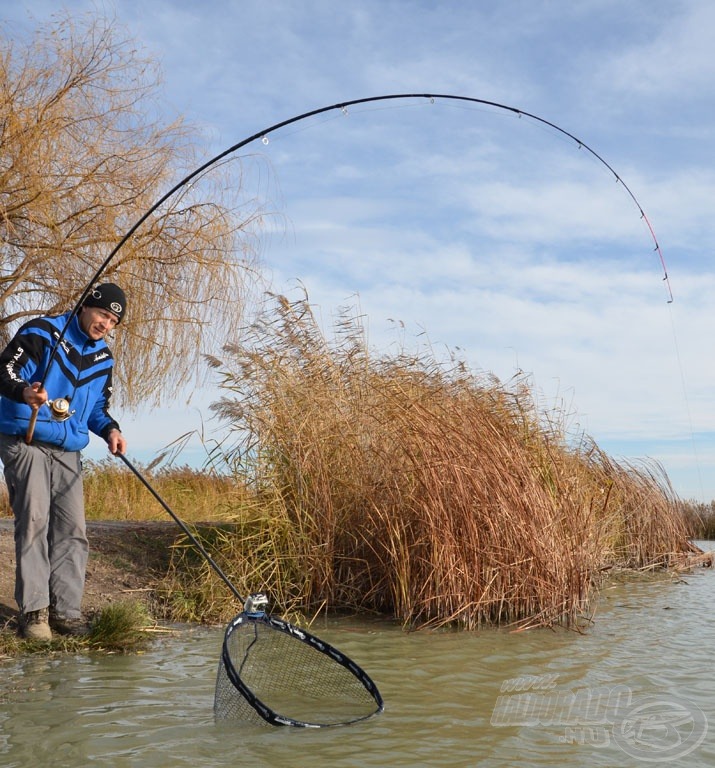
(674, 61)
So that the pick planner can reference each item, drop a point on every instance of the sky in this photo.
(464, 226)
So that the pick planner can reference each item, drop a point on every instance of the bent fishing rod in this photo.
(343, 107)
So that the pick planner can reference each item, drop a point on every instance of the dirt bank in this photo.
(126, 562)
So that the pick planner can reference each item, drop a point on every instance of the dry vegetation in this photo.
(396, 485)
(112, 493)
(399, 485)
(85, 155)
(701, 518)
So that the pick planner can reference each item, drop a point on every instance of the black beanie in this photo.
(110, 297)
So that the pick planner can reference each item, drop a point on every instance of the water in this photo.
(452, 698)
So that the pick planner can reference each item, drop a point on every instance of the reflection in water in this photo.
(491, 698)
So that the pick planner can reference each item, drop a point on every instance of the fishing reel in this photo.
(60, 408)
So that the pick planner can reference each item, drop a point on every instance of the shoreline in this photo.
(127, 561)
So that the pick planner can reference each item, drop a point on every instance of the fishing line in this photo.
(343, 107)
(688, 411)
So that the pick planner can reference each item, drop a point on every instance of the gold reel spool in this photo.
(60, 408)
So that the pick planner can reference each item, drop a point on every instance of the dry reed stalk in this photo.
(424, 491)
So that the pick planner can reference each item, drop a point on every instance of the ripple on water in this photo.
(442, 690)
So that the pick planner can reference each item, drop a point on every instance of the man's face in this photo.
(96, 322)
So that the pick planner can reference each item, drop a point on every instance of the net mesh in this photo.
(271, 671)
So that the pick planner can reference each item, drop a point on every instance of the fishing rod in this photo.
(343, 107)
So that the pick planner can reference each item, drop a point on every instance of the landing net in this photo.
(271, 671)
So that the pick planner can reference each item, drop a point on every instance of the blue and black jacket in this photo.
(81, 373)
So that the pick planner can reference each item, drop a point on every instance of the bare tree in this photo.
(84, 155)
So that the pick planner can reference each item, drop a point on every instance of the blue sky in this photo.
(481, 230)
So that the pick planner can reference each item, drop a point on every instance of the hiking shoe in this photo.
(34, 625)
(64, 625)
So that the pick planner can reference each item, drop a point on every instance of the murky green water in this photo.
(452, 699)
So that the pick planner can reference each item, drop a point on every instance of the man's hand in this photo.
(116, 442)
(35, 395)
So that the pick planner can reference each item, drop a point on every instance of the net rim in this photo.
(302, 635)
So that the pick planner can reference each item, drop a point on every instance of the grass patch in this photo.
(118, 628)
(121, 627)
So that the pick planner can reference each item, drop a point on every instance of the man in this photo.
(44, 477)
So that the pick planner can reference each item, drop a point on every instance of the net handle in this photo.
(183, 527)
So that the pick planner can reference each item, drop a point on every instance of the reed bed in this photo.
(397, 484)
(701, 518)
(405, 486)
(113, 493)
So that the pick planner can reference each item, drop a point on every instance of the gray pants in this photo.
(45, 488)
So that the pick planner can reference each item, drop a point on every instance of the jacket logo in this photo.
(10, 368)
(100, 356)
(63, 343)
